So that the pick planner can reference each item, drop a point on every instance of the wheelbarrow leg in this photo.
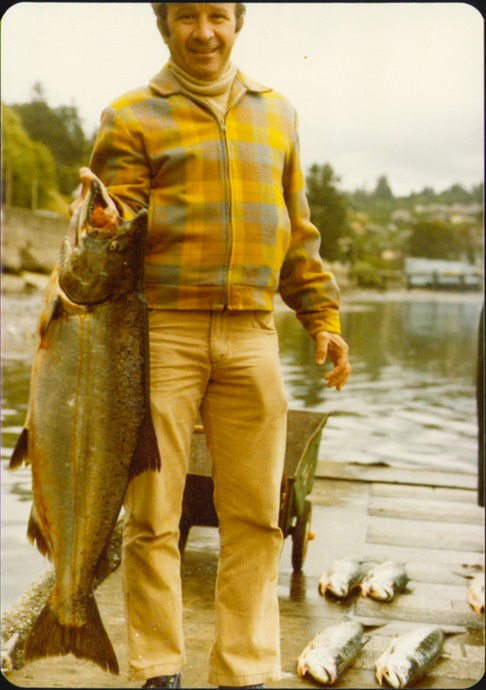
(300, 537)
(184, 527)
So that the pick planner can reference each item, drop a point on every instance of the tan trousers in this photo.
(226, 366)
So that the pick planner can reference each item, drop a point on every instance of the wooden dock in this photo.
(428, 520)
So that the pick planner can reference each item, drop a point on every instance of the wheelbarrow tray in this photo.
(304, 431)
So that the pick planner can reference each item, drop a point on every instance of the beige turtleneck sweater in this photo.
(215, 93)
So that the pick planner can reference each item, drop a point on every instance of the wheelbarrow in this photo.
(304, 431)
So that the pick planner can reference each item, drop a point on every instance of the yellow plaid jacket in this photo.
(229, 223)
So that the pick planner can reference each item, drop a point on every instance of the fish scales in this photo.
(384, 581)
(332, 651)
(475, 593)
(409, 656)
(88, 429)
(343, 576)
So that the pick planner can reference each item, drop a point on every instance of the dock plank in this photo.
(429, 556)
(439, 573)
(430, 493)
(437, 536)
(425, 509)
(383, 473)
(436, 553)
(420, 610)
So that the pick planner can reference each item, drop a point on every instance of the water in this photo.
(411, 398)
(410, 402)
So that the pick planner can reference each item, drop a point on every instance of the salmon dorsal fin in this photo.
(19, 455)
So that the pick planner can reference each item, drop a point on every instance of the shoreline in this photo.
(22, 294)
(20, 310)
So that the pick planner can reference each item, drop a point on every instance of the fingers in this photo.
(106, 215)
(336, 347)
(338, 376)
(322, 343)
(87, 176)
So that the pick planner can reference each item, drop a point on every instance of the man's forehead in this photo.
(212, 6)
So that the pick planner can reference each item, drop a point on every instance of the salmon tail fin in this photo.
(90, 641)
(146, 455)
(19, 455)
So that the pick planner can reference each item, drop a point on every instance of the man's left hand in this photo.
(338, 350)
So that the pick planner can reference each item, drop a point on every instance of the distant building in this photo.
(441, 274)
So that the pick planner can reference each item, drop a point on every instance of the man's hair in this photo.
(161, 10)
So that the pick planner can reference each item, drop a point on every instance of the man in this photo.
(214, 157)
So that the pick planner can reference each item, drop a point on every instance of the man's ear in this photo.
(163, 33)
(239, 24)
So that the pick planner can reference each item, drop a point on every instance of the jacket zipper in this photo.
(229, 197)
(227, 184)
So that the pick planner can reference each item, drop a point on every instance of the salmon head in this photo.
(398, 674)
(102, 257)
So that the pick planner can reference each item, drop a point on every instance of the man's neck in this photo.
(200, 87)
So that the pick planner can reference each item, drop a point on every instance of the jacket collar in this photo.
(165, 83)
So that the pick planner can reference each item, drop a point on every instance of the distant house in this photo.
(440, 274)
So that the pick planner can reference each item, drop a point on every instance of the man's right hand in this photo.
(87, 176)
(102, 217)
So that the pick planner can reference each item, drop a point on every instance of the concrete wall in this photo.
(31, 239)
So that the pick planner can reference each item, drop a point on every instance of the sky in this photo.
(392, 89)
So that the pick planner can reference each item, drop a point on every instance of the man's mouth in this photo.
(203, 53)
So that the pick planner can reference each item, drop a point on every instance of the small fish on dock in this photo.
(409, 656)
(475, 593)
(331, 652)
(7, 651)
(384, 581)
(475, 590)
(344, 575)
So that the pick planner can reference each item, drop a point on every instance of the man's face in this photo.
(201, 37)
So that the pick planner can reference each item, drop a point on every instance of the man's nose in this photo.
(203, 29)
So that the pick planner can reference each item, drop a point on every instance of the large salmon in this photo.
(88, 429)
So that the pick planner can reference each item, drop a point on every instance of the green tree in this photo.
(382, 192)
(29, 171)
(455, 195)
(61, 131)
(434, 239)
(328, 210)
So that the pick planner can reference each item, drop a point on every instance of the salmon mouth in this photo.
(97, 217)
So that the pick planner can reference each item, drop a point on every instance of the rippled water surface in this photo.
(410, 402)
(411, 398)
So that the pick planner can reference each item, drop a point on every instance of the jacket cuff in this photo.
(315, 322)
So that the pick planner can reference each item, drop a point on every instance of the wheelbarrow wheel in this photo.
(300, 537)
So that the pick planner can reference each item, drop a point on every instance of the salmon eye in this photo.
(114, 246)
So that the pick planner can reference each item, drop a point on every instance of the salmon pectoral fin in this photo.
(90, 641)
(36, 535)
(146, 455)
(19, 455)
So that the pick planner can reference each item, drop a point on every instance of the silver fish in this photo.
(89, 429)
(475, 593)
(384, 581)
(341, 578)
(331, 652)
(409, 656)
